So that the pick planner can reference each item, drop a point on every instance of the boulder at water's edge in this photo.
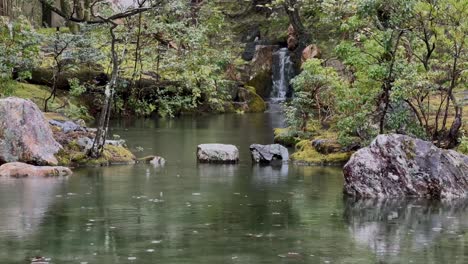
(400, 166)
(25, 134)
(268, 153)
(21, 170)
(217, 153)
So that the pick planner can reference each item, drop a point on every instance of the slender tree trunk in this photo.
(103, 123)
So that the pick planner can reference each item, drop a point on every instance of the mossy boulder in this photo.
(262, 82)
(250, 101)
(326, 146)
(285, 137)
(118, 155)
(306, 154)
(72, 155)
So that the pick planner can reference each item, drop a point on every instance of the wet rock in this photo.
(155, 160)
(250, 101)
(399, 166)
(326, 146)
(67, 126)
(158, 161)
(25, 134)
(117, 143)
(21, 170)
(217, 153)
(269, 153)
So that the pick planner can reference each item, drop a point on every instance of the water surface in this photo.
(211, 214)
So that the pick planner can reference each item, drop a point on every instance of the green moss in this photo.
(285, 137)
(35, 93)
(262, 83)
(118, 155)
(63, 158)
(255, 102)
(408, 147)
(306, 154)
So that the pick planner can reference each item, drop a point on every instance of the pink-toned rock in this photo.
(292, 38)
(21, 170)
(311, 51)
(25, 135)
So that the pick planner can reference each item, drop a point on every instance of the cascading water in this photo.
(283, 72)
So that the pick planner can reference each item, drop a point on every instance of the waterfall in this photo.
(283, 71)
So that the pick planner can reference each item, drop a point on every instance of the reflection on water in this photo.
(24, 202)
(395, 227)
(186, 212)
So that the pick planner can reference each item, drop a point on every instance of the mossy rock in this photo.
(251, 100)
(306, 154)
(262, 82)
(112, 155)
(285, 137)
(118, 155)
(327, 146)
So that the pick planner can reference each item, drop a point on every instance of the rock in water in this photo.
(25, 134)
(398, 166)
(158, 161)
(217, 153)
(269, 153)
(21, 170)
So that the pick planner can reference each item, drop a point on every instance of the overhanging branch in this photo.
(101, 20)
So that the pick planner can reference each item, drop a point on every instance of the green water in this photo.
(189, 213)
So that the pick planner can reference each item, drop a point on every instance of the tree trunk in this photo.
(103, 124)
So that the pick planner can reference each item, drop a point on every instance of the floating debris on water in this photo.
(156, 242)
(196, 194)
(132, 258)
(40, 260)
(150, 250)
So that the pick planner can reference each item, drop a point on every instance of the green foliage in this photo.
(463, 147)
(19, 48)
(76, 89)
(314, 95)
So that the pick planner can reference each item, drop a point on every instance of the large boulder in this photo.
(399, 166)
(21, 170)
(269, 153)
(250, 101)
(310, 52)
(217, 153)
(25, 134)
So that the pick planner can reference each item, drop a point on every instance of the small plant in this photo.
(463, 147)
(76, 89)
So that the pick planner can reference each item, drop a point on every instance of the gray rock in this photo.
(269, 153)
(399, 166)
(117, 143)
(217, 153)
(85, 143)
(25, 134)
(158, 161)
(80, 122)
(67, 126)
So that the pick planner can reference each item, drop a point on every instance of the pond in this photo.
(190, 213)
